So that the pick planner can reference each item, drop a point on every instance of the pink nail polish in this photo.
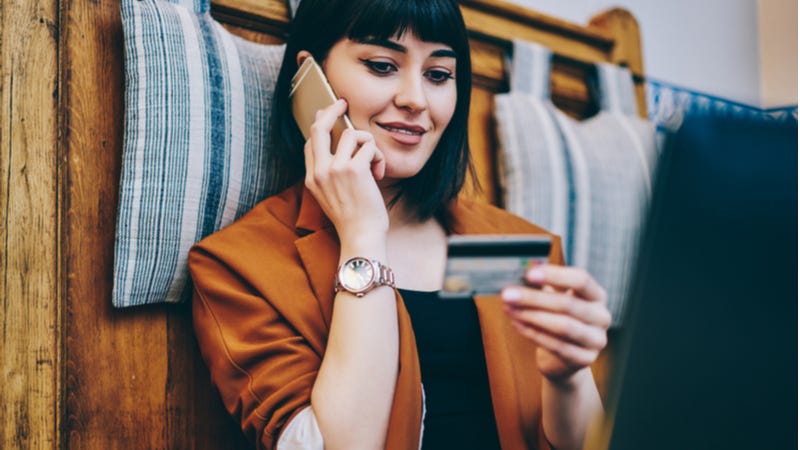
(511, 295)
(535, 275)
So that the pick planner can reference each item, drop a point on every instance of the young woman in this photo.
(306, 347)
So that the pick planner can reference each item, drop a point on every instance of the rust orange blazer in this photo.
(262, 309)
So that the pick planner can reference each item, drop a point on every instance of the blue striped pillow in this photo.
(197, 103)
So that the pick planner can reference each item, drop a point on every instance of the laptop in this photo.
(708, 351)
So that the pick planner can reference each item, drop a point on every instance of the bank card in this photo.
(485, 264)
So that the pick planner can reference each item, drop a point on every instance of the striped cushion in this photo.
(611, 156)
(533, 162)
(194, 159)
(587, 181)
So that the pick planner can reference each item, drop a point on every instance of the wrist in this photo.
(371, 246)
(367, 230)
(571, 382)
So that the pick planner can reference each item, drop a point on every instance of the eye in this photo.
(380, 67)
(438, 76)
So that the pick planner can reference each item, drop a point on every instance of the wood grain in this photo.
(116, 360)
(135, 378)
(249, 34)
(29, 238)
(116, 367)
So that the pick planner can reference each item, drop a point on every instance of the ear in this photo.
(301, 56)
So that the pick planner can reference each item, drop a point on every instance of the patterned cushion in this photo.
(611, 157)
(197, 103)
(532, 158)
(587, 181)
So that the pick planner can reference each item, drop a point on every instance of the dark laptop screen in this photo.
(709, 354)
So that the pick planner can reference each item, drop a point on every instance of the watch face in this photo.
(357, 274)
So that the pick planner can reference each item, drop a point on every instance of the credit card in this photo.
(485, 264)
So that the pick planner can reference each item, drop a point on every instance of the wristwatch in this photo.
(359, 275)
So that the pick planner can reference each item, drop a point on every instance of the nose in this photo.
(411, 94)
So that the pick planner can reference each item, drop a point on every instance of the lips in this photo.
(404, 133)
(399, 127)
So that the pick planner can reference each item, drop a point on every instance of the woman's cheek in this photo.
(443, 108)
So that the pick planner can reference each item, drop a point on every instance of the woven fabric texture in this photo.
(195, 155)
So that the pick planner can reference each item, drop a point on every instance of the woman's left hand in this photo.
(563, 310)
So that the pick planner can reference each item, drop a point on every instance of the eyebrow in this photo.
(391, 45)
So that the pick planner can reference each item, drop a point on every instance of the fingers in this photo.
(563, 328)
(591, 313)
(565, 279)
(320, 133)
(349, 144)
(563, 311)
(370, 155)
(318, 147)
(571, 355)
(321, 161)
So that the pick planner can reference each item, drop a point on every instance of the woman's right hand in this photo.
(344, 182)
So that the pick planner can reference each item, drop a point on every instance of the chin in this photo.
(399, 174)
(403, 166)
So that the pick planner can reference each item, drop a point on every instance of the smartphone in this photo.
(310, 92)
(485, 264)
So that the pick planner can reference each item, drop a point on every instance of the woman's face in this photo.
(402, 90)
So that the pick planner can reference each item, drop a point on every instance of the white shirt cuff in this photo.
(302, 433)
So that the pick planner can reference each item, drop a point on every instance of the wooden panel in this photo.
(135, 378)
(116, 360)
(259, 11)
(29, 197)
(251, 35)
(498, 28)
(505, 10)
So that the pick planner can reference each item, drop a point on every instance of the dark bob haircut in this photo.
(319, 24)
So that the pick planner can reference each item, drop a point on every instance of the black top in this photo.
(457, 400)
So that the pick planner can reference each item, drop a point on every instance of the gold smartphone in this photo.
(311, 92)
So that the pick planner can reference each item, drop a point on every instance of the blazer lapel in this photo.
(318, 248)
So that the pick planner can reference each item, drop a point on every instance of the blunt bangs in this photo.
(430, 21)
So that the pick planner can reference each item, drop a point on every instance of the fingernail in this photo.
(511, 295)
(535, 275)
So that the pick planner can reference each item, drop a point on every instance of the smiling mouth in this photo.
(415, 131)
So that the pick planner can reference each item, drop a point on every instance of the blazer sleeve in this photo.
(263, 368)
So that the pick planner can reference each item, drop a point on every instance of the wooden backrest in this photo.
(80, 374)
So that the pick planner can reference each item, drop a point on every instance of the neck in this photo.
(401, 216)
